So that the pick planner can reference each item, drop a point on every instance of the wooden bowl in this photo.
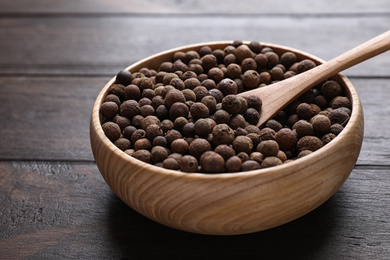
(228, 203)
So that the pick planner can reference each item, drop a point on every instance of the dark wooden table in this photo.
(56, 56)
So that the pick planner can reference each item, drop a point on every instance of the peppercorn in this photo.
(145, 83)
(147, 110)
(215, 74)
(166, 66)
(128, 131)
(286, 139)
(303, 153)
(231, 104)
(303, 128)
(198, 147)
(208, 61)
(222, 134)
(327, 138)
(129, 152)
(311, 143)
(243, 156)
(243, 52)
(118, 90)
(149, 120)
(250, 165)
(160, 141)
(272, 59)
(261, 60)
(240, 131)
(288, 58)
(109, 109)
(210, 102)
(277, 73)
(179, 65)
(138, 134)
(200, 92)
(233, 70)
(143, 155)
(174, 96)
(250, 79)
(205, 50)
(321, 124)
(339, 102)
(331, 89)
(129, 108)
(255, 138)
(196, 68)
(202, 127)
(321, 102)
(289, 74)
(152, 131)
(271, 161)
(268, 148)
(170, 163)
(142, 143)
(199, 110)
(225, 151)
(222, 117)
(172, 135)
(188, 130)
(338, 116)
(257, 156)
(178, 109)
(179, 146)
(124, 77)
(212, 162)
(227, 87)
(111, 130)
(248, 64)
(233, 164)
(267, 134)
(122, 143)
(158, 154)
(265, 77)
(189, 95)
(237, 121)
(292, 119)
(274, 125)
(148, 93)
(113, 98)
(242, 144)
(304, 111)
(188, 163)
(144, 101)
(168, 77)
(336, 129)
(305, 65)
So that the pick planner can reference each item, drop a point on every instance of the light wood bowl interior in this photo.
(229, 203)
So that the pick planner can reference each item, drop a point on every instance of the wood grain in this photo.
(81, 218)
(104, 45)
(266, 7)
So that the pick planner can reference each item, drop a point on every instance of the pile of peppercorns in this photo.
(186, 115)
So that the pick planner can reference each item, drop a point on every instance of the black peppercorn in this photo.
(212, 162)
(188, 163)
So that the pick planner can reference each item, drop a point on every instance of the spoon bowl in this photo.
(229, 203)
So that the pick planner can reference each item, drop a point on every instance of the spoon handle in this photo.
(278, 95)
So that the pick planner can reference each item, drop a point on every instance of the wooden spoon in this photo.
(277, 96)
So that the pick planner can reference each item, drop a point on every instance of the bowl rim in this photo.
(347, 86)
